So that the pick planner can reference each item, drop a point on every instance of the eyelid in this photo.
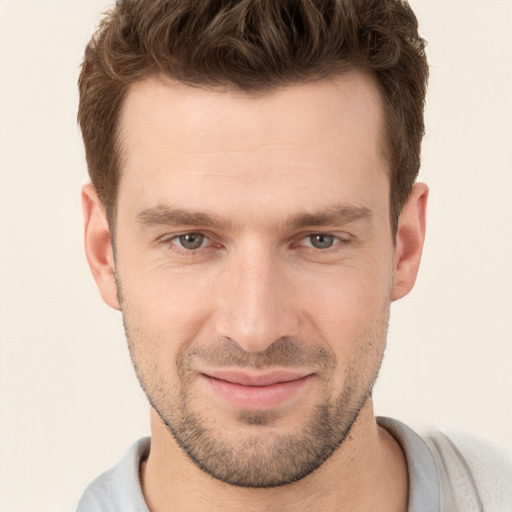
(341, 240)
(206, 241)
(300, 240)
(343, 237)
(170, 239)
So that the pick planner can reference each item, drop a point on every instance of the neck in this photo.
(367, 472)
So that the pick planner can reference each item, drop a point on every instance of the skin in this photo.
(270, 170)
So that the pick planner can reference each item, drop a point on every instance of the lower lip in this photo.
(256, 397)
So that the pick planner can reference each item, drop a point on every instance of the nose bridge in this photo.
(254, 308)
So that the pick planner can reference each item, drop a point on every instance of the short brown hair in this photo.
(253, 46)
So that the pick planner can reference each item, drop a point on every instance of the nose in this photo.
(255, 300)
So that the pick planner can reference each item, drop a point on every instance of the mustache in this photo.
(283, 352)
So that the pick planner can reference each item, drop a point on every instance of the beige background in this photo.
(70, 405)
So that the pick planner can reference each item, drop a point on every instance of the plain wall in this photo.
(70, 403)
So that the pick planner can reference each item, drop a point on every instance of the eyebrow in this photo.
(164, 215)
(335, 216)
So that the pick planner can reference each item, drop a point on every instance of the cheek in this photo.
(166, 309)
(349, 312)
(347, 296)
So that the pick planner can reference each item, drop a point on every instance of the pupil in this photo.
(191, 241)
(321, 241)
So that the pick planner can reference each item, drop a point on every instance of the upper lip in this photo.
(255, 378)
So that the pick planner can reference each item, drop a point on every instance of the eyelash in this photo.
(339, 243)
(182, 251)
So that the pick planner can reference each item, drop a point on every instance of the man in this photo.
(253, 212)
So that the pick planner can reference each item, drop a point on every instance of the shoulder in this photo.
(474, 474)
(454, 471)
(118, 488)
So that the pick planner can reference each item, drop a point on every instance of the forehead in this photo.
(185, 111)
(179, 141)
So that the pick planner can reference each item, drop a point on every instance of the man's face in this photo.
(254, 267)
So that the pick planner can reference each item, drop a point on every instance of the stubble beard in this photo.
(261, 460)
(260, 457)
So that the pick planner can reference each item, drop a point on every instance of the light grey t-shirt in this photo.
(444, 475)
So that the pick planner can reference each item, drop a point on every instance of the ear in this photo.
(409, 241)
(98, 246)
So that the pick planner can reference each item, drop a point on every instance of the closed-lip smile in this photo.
(249, 389)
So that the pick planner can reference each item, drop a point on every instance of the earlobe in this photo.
(98, 246)
(409, 241)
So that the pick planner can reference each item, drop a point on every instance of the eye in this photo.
(321, 241)
(190, 241)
